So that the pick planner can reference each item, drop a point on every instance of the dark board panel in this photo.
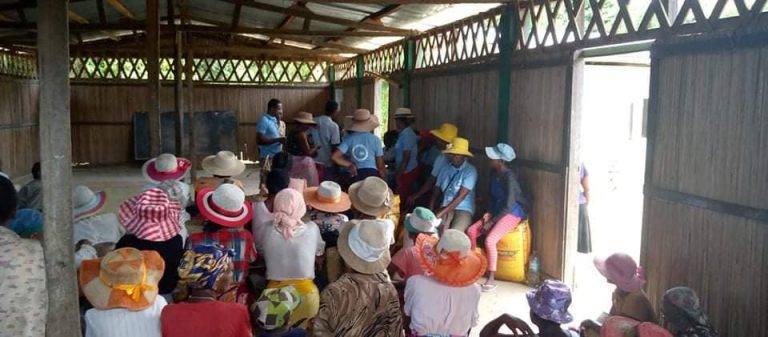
(214, 131)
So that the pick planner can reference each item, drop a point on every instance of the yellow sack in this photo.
(514, 248)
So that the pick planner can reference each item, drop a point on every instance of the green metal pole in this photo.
(507, 29)
(332, 81)
(409, 47)
(360, 74)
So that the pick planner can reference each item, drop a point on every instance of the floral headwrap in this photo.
(687, 302)
(206, 267)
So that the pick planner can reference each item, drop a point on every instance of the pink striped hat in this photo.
(151, 215)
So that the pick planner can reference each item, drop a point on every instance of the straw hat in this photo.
(165, 167)
(305, 118)
(501, 151)
(124, 278)
(151, 215)
(422, 220)
(403, 113)
(224, 163)
(86, 203)
(225, 206)
(619, 326)
(450, 260)
(459, 146)
(363, 121)
(551, 301)
(371, 196)
(364, 245)
(447, 132)
(327, 197)
(621, 270)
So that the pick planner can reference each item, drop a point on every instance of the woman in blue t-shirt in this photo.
(361, 152)
(508, 207)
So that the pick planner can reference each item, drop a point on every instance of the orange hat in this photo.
(125, 278)
(450, 260)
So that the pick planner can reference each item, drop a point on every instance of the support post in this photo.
(153, 73)
(189, 71)
(359, 81)
(178, 96)
(507, 27)
(332, 81)
(409, 49)
(56, 160)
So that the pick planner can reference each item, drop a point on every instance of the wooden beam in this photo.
(201, 50)
(102, 12)
(119, 6)
(375, 17)
(190, 74)
(236, 16)
(153, 73)
(77, 17)
(178, 96)
(56, 162)
(287, 32)
(83, 21)
(306, 14)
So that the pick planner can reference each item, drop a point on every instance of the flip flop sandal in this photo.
(488, 287)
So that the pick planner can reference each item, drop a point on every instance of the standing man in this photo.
(406, 153)
(268, 134)
(327, 137)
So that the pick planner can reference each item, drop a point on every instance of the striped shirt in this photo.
(237, 239)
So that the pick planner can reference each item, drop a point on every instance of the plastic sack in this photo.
(514, 248)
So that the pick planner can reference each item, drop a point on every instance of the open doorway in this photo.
(615, 95)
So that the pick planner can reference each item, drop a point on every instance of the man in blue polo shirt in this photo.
(268, 134)
(406, 153)
(456, 182)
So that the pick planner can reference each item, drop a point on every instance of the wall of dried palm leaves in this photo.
(711, 141)
(102, 131)
(19, 132)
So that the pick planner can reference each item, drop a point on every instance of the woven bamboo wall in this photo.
(19, 114)
(711, 141)
(101, 114)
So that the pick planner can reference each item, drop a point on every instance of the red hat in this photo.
(151, 215)
(226, 205)
(165, 167)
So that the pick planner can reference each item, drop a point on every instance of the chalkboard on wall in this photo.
(214, 131)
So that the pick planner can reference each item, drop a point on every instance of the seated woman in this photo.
(273, 310)
(123, 289)
(302, 147)
(205, 278)
(406, 263)
(290, 248)
(507, 204)
(456, 183)
(629, 299)
(226, 212)
(152, 222)
(223, 166)
(91, 227)
(327, 202)
(445, 303)
(683, 314)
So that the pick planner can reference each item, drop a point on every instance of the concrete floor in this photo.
(122, 182)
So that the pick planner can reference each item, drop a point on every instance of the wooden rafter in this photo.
(102, 12)
(306, 14)
(375, 17)
(119, 6)
(74, 17)
(287, 32)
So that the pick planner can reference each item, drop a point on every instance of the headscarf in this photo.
(205, 267)
(274, 307)
(687, 302)
(289, 208)
(27, 222)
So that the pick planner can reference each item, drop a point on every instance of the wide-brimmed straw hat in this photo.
(621, 270)
(403, 113)
(371, 196)
(165, 167)
(327, 197)
(151, 215)
(501, 151)
(422, 220)
(225, 206)
(447, 132)
(86, 203)
(450, 259)
(619, 326)
(459, 146)
(124, 278)
(305, 118)
(224, 163)
(551, 301)
(364, 245)
(363, 121)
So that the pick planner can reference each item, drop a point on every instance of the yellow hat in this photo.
(447, 132)
(459, 146)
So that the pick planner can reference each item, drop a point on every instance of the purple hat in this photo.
(551, 301)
